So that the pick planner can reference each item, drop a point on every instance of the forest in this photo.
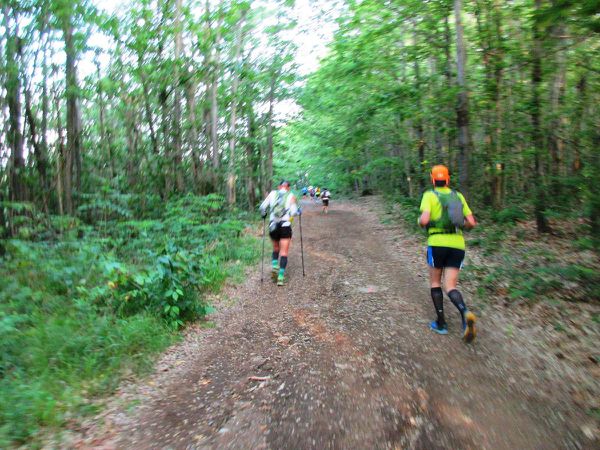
(504, 92)
(136, 145)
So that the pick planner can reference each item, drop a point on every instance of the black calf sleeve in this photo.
(275, 256)
(438, 302)
(283, 262)
(457, 299)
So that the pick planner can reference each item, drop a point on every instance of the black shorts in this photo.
(281, 232)
(325, 202)
(440, 257)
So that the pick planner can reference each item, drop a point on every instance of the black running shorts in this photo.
(281, 232)
(325, 202)
(440, 257)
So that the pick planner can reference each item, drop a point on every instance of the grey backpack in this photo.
(452, 218)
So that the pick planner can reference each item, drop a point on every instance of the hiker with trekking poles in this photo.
(283, 207)
(445, 213)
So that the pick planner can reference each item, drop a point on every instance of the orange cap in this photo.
(440, 173)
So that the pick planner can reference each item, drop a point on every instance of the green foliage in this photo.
(168, 290)
(77, 313)
(381, 108)
(509, 215)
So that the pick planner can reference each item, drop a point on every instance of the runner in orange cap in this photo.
(445, 213)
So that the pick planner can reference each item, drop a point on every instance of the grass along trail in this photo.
(342, 358)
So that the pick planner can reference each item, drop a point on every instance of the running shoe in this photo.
(274, 272)
(439, 330)
(280, 280)
(469, 330)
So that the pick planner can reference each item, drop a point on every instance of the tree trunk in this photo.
(147, 107)
(231, 177)
(13, 99)
(462, 108)
(537, 138)
(214, 105)
(555, 141)
(190, 95)
(499, 172)
(449, 133)
(177, 152)
(268, 182)
(60, 158)
(131, 136)
(39, 152)
(105, 141)
(73, 120)
(577, 124)
(251, 158)
(208, 180)
(45, 98)
(419, 119)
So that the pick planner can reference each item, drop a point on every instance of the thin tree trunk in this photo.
(214, 105)
(105, 141)
(13, 99)
(537, 138)
(130, 133)
(147, 107)
(578, 120)
(231, 177)
(269, 169)
(251, 158)
(555, 141)
(214, 124)
(60, 157)
(419, 120)
(190, 95)
(45, 98)
(499, 173)
(462, 109)
(177, 152)
(209, 179)
(39, 152)
(73, 120)
(450, 135)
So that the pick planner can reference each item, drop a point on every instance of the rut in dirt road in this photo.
(344, 359)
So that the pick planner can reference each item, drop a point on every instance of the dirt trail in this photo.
(347, 362)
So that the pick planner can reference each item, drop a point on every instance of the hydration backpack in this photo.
(452, 218)
(279, 209)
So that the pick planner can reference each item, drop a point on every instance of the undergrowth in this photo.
(86, 303)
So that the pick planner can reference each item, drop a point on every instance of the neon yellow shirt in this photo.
(431, 203)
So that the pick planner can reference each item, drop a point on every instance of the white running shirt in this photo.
(291, 208)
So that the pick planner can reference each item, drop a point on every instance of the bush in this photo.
(78, 313)
(509, 215)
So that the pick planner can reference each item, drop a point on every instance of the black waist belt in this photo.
(443, 232)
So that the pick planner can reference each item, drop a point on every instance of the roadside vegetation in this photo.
(85, 304)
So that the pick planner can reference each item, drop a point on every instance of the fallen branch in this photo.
(259, 378)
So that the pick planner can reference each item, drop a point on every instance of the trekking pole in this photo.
(262, 263)
(302, 247)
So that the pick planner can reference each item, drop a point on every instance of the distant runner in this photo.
(318, 192)
(283, 207)
(311, 191)
(325, 196)
(444, 212)
(304, 191)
